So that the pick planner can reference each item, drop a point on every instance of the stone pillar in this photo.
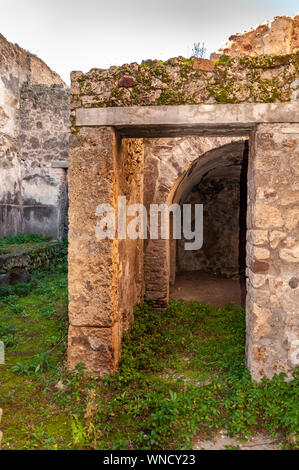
(94, 332)
(156, 273)
(273, 251)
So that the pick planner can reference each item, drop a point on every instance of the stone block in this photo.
(97, 348)
(257, 237)
(290, 255)
(203, 64)
(276, 237)
(257, 266)
(267, 216)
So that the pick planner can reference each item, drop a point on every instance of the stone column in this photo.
(156, 273)
(273, 251)
(94, 332)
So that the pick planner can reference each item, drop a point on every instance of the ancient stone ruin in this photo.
(34, 133)
(224, 132)
(221, 132)
(276, 37)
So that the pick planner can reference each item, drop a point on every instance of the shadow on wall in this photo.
(219, 182)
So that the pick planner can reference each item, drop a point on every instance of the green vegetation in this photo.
(224, 60)
(22, 239)
(181, 376)
(23, 243)
(40, 253)
(173, 97)
(234, 80)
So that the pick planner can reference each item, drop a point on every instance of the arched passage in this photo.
(217, 179)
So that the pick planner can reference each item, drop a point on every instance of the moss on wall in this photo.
(180, 81)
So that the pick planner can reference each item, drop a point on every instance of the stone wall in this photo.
(101, 168)
(43, 139)
(273, 250)
(277, 37)
(105, 275)
(130, 167)
(18, 66)
(181, 81)
(219, 254)
(17, 262)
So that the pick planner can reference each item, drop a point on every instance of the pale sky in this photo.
(83, 34)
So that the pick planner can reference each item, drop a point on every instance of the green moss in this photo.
(264, 90)
(265, 62)
(144, 75)
(224, 60)
(223, 94)
(188, 65)
(228, 83)
(160, 72)
(172, 97)
(117, 95)
(224, 89)
(74, 129)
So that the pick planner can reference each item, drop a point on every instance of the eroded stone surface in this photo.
(223, 442)
(34, 130)
(272, 301)
(146, 100)
(277, 37)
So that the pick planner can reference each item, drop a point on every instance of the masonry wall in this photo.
(273, 250)
(43, 139)
(219, 254)
(179, 81)
(97, 267)
(130, 170)
(277, 37)
(17, 66)
(105, 275)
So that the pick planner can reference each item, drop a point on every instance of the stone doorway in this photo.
(198, 170)
(216, 272)
(108, 277)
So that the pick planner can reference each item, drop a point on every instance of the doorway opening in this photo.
(216, 272)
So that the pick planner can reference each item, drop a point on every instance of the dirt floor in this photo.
(203, 287)
(223, 442)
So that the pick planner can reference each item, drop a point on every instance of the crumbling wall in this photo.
(43, 138)
(105, 275)
(96, 176)
(17, 66)
(277, 37)
(180, 81)
(273, 250)
(130, 165)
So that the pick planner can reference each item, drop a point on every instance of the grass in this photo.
(22, 239)
(181, 376)
(22, 243)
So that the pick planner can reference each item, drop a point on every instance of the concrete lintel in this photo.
(181, 131)
(204, 119)
(60, 164)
